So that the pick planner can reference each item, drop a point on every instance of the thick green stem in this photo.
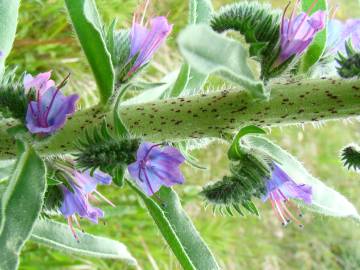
(211, 114)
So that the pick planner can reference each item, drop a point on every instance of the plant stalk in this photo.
(208, 114)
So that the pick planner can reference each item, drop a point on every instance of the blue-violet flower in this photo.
(76, 201)
(144, 41)
(50, 110)
(296, 33)
(280, 188)
(155, 167)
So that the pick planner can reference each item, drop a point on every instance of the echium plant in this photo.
(54, 155)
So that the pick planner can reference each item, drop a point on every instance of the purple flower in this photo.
(144, 41)
(280, 188)
(76, 201)
(296, 33)
(50, 110)
(339, 32)
(155, 167)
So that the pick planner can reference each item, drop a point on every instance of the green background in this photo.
(45, 41)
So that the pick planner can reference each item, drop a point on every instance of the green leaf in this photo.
(235, 151)
(194, 245)
(58, 236)
(9, 11)
(6, 167)
(317, 47)
(326, 200)
(165, 229)
(89, 29)
(178, 231)
(20, 206)
(210, 52)
(200, 11)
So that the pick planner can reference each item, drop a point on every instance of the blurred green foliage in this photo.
(45, 41)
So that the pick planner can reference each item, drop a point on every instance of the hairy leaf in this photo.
(58, 236)
(89, 29)
(194, 245)
(20, 206)
(9, 11)
(209, 52)
(165, 228)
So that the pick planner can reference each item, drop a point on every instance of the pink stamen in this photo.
(305, 17)
(144, 11)
(277, 210)
(292, 16)
(69, 219)
(104, 198)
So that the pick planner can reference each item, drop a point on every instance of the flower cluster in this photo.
(82, 188)
(49, 112)
(297, 32)
(280, 188)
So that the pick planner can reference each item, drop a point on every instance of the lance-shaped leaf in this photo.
(165, 228)
(178, 230)
(6, 167)
(9, 11)
(58, 236)
(317, 47)
(20, 206)
(89, 29)
(194, 245)
(209, 52)
(325, 200)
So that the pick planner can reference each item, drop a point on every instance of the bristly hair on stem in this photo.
(350, 155)
(101, 150)
(13, 97)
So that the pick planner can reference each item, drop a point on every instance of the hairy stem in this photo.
(211, 114)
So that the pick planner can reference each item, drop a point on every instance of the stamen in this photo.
(144, 11)
(290, 203)
(77, 223)
(277, 212)
(312, 6)
(69, 219)
(305, 17)
(104, 198)
(290, 215)
(61, 85)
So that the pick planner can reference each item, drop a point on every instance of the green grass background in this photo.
(45, 41)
